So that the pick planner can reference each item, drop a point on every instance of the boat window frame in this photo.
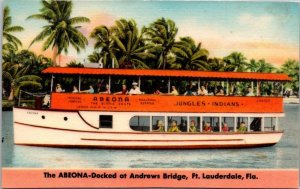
(105, 121)
(149, 123)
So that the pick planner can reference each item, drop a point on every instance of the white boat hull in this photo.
(80, 130)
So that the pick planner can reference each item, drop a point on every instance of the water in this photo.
(282, 155)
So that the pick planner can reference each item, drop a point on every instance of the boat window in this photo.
(194, 125)
(140, 123)
(177, 124)
(269, 123)
(242, 124)
(210, 124)
(158, 123)
(255, 123)
(105, 121)
(227, 124)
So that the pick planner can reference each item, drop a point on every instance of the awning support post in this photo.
(169, 85)
(52, 78)
(257, 88)
(109, 82)
(227, 88)
(79, 82)
(139, 82)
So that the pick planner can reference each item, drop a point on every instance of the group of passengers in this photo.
(191, 90)
(174, 127)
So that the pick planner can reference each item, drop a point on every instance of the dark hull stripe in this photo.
(86, 121)
(153, 140)
(150, 133)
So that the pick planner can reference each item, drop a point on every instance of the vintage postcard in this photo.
(143, 94)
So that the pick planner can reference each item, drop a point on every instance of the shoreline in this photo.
(291, 100)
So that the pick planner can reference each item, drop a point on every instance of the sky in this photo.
(260, 30)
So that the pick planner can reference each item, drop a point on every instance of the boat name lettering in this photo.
(86, 175)
(32, 112)
(111, 99)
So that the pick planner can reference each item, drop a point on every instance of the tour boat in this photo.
(146, 120)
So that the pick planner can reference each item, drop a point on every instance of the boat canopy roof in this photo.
(168, 73)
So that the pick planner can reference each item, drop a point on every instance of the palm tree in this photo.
(189, 55)
(162, 34)
(291, 68)
(62, 30)
(263, 66)
(32, 63)
(105, 43)
(17, 77)
(236, 62)
(130, 46)
(95, 57)
(216, 64)
(11, 42)
(252, 66)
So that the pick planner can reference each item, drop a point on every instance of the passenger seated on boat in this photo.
(58, 88)
(174, 91)
(46, 101)
(242, 127)
(174, 127)
(207, 127)
(157, 92)
(250, 92)
(190, 91)
(107, 90)
(90, 90)
(220, 92)
(192, 128)
(225, 127)
(160, 126)
(75, 90)
(202, 91)
(135, 89)
(124, 90)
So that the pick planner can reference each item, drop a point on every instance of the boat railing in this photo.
(33, 100)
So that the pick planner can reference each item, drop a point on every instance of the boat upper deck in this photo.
(228, 101)
(168, 73)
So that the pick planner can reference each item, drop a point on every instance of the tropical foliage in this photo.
(189, 55)
(162, 34)
(20, 70)
(17, 77)
(62, 30)
(291, 67)
(10, 42)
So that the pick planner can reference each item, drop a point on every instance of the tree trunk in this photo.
(55, 52)
(11, 94)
